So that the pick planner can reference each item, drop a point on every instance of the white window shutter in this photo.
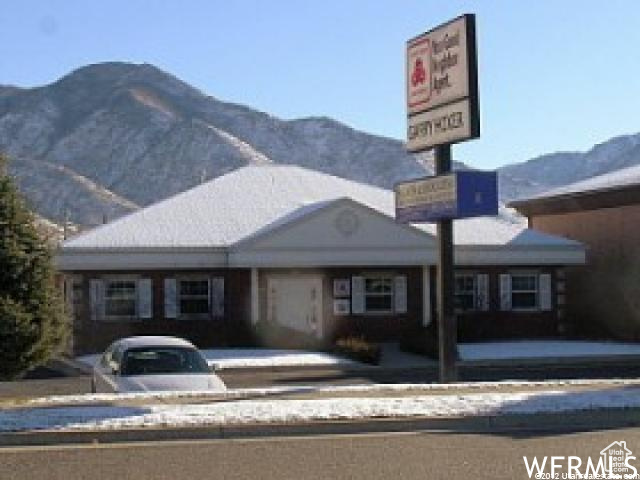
(216, 297)
(482, 292)
(400, 294)
(544, 291)
(505, 291)
(145, 298)
(357, 295)
(170, 298)
(96, 292)
(426, 297)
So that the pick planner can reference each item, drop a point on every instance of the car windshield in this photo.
(163, 360)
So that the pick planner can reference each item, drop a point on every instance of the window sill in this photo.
(190, 318)
(377, 314)
(114, 319)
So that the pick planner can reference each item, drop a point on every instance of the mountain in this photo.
(556, 169)
(109, 138)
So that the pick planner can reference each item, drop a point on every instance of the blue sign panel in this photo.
(457, 195)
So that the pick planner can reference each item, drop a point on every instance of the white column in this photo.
(426, 296)
(255, 297)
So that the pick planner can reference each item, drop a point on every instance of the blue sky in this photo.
(554, 75)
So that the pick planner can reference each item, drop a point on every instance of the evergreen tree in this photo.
(33, 324)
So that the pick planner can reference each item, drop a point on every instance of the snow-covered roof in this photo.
(253, 199)
(622, 178)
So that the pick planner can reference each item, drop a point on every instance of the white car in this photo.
(146, 364)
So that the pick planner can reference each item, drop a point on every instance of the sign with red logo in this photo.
(441, 72)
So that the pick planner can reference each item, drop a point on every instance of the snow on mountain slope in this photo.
(143, 135)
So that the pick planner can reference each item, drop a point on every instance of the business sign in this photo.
(442, 85)
(455, 195)
(446, 124)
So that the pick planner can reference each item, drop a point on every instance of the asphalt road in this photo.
(430, 456)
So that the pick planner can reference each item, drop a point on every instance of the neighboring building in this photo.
(603, 213)
(281, 254)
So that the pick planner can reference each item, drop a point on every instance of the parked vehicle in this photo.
(141, 364)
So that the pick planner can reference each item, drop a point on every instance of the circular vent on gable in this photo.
(347, 222)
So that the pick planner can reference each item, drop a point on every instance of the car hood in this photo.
(182, 382)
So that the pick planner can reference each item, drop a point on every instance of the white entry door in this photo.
(295, 302)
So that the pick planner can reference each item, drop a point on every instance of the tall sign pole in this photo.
(442, 109)
(447, 325)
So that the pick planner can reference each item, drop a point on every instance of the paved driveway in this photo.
(305, 376)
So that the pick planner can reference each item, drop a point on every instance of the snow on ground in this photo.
(223, 358)
(244, 393)
(544, 349)
(262, 357)
(271, 411)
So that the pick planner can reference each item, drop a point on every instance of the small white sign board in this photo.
(446, 124)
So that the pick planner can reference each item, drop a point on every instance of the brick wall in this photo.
(235, 328)
(497, 324)
(376, 327)
(472, 326)
(95, 335)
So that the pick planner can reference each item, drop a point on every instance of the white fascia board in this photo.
(151, 259)
(331, 257)
(420, 256)
(473, 255)
(160, 259)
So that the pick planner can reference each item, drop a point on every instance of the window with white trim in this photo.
(194, 296)
(378, 294)
(120, 298)
(524, 291)
(465, 292)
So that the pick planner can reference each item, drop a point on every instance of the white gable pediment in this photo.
(342, 224)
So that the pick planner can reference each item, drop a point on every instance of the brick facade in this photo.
(236, 328)
(94, 335)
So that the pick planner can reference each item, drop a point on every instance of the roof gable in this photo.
(339, 224)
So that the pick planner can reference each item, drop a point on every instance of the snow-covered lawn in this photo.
(544, 349)
(223, 358)
(263, 357)
(271, 411)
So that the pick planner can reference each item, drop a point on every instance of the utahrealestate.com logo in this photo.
(614, 462)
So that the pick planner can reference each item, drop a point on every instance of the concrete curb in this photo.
(496, 424)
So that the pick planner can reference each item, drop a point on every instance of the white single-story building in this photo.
(276, 253)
